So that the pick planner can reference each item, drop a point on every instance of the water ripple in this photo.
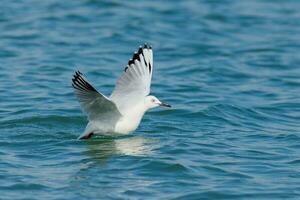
(229, 69)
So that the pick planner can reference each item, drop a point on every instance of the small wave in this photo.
(163, 166)
(52, 119)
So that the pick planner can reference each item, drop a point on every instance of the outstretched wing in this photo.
(93, 103)
(134, 84)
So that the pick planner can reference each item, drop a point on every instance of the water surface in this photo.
(229, 68)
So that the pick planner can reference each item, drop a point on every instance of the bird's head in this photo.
(152, 102)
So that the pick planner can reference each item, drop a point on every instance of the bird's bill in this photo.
(165, 105)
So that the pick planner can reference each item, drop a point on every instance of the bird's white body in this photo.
(131, 119)
(123, 111)
(126, 124)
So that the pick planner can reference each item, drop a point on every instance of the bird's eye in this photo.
(152, 100)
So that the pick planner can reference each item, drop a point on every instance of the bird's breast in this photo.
(129, 122)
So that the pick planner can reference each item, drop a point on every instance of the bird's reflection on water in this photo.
(100, 151)
(102, 148)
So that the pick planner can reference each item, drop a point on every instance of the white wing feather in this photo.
(94, 104)
(134, 84)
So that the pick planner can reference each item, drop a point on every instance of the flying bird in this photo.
(122, 111)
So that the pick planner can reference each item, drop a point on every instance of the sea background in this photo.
(230, 69)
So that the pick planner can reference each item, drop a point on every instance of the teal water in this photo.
(229, 68)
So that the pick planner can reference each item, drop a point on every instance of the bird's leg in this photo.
(88, 136)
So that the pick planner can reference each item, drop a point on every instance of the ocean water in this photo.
(230, 69)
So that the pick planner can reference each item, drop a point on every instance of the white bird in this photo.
(122, 112)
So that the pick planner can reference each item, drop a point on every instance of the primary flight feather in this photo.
(122, 112)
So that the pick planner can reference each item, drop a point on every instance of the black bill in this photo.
(165, 105)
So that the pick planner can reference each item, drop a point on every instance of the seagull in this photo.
(122, 111)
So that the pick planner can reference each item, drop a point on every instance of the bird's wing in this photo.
(93, 103)
(134, 84)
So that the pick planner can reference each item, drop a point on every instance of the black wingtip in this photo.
(147, 46)
(140, 50)
(78, 73)
(130, 62)
(125, 68)
(80, 83)
(136, 56)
